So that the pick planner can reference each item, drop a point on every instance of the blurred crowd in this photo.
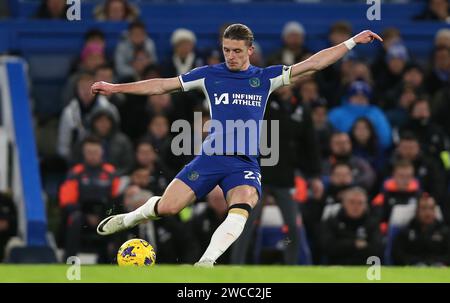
(364, 148)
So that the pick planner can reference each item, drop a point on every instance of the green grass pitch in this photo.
(220, 274)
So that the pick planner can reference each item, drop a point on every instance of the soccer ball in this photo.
(136, 252)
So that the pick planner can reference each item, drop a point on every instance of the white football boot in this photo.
(112, 225)
(205, 264)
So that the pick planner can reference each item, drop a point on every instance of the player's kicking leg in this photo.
(176, 197)
(241, 199)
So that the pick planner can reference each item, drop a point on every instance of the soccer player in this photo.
(235, 90)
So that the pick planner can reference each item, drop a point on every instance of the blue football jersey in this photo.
(237, 101)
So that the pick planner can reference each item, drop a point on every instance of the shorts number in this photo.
(251, 175)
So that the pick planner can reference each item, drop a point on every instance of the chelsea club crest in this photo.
(254, 82)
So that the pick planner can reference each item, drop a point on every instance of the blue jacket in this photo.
(344, 116)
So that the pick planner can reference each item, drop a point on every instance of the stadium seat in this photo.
(271, 235)
(16, 252)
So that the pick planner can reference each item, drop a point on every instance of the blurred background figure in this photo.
(352, 235)
(52, 9)
(134, 53)
(401, 188)
(85, 197)
(117, 148)
(436, 10)
(293, 50)
(426, 239)
(76, 115)
(116, 11)
(341, 151)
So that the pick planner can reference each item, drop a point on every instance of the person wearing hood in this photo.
(117, 147)
(136, 42)
(352, 235)
(358, 105)
(75, 116)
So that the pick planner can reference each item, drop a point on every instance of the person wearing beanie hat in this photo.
(396, 59)
(293, 50)
(184, 56)
(182, 34)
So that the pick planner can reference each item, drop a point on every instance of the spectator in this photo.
(105, 73)
(116, 11)
(75, 116)
(309, 91)
(183, 59)
(293, 49)
(425, 241)
(351, 70)
(184, 56)
(341, 179)
(332, 78)
(147, 158)
(85, 197)
(433, 140)
(322, 126)
(340, 31)
(117, 148)
(427, 171)
(52, 9)
(439, 75)
(442, 38)
(390, 35)
(441, 108)
(341, 151)
(344, 116)
(159, 105)
(400, 189)
(207, 216)
(352, 235)
(92, 57)
(413, 78)
(397, 58)
(8, 221)
(93, 36)
(366, 144)
(436, 10)
(158, 132)
(135, 46)
(134, 111)
(398, 116)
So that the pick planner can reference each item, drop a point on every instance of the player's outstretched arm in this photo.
(330, 55)
(156, 86)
